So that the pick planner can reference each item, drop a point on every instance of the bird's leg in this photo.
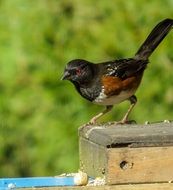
(133, 101)
(95, 118)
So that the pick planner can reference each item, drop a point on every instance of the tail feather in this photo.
(154, 39)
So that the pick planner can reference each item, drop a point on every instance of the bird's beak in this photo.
(65, 76)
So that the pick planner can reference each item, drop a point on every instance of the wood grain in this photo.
(155, 186)
(140, 165)
(129, 153)
(157, 134)
(93, 158)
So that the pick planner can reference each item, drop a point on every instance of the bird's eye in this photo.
(78, 71)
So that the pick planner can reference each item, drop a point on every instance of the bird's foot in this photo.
(90, 124)
(93, 121)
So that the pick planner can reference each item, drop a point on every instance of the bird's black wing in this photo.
(124, 68)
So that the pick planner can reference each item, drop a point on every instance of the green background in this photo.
(39, 114)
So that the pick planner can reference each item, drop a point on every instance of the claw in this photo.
(92, 121)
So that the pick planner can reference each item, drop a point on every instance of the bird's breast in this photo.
(90, 93)
(103, 99)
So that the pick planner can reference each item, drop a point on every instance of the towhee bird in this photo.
(112, 82)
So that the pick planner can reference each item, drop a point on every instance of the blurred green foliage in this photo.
(39, 114)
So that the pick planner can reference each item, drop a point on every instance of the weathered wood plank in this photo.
(140, 165)
(155, 186)
(129, 153)
(93, 158)
(130, 135)
(127, 165)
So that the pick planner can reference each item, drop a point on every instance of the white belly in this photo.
(104, 100)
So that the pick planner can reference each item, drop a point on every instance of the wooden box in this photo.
(128, 153)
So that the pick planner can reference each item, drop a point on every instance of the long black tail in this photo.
(153, 40)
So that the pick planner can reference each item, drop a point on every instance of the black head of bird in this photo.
(78, 71)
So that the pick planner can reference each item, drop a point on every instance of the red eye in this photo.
(78, 71)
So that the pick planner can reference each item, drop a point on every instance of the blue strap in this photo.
(14, 183)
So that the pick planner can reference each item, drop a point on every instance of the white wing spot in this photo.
(111, 70)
